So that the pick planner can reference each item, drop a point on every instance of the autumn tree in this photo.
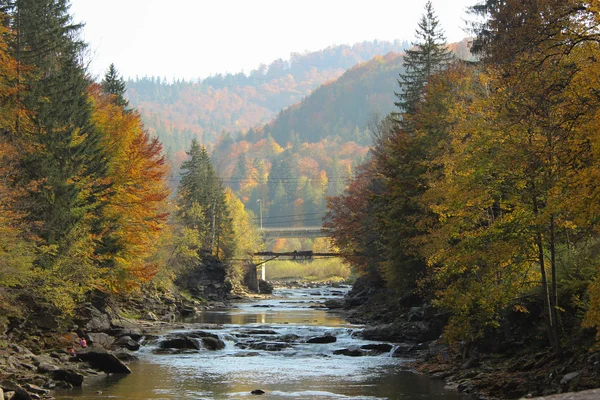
(542, 52)
(135, 211)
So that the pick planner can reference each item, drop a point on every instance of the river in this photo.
(298, 371)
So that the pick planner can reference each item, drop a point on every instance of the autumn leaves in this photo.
(485, 194)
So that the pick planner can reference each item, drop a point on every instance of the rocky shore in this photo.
(514, 362)
(40, 352)
(38, 358)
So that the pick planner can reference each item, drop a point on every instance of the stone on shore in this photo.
(68, 375)
(104, 361)
(10, 386)
(127, 342)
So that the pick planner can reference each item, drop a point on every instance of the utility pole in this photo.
(260, 211)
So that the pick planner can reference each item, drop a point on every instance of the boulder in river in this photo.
(104, 361)
(211, 343)
(322, 339)
(259, 332)
(201, 334)
(265, 346)
(335, 304)
(379, 347)
(257, 391)
(180, 342)
(351, 352)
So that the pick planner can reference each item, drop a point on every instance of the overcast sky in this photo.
(196, 38)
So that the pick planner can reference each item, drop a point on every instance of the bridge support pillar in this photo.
(263, 272)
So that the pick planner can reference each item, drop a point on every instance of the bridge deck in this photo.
(295, 232)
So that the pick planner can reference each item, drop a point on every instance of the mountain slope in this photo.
(178, 111)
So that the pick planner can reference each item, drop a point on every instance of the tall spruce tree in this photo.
(428, 55)
(114, 84)
(64, 165)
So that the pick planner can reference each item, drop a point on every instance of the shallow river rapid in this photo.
(300, 371)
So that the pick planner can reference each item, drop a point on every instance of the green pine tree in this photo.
(428, 56)
(201, 189)
(65, 167)
(114, 85)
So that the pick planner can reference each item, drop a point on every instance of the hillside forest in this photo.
(481, 193)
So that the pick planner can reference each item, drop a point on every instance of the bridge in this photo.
(295, 232)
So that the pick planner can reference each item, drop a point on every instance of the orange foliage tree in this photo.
(135, 208)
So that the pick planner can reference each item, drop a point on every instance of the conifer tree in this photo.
(64, 166)
(114, 85)
(201, 189)
(429, 55)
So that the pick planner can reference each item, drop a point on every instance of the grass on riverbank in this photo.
(313, 270)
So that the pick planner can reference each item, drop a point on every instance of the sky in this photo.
(192, 39)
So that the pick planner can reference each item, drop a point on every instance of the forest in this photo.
(481, 190)
(478, 191)
(85, 197)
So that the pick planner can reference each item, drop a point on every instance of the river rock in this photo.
(97, 320)
(125, 356)
(289, 338)
(380, 347)
(583, 395)
(21, 350)
(265, 287)
(416, 332)
(201, 334)
(335, 304)
(150, 316)
(257, 391)
(127, 342)
(265, 346)
(45, 368)
(100, 339)
(322, 339)
(404, 350)
(211, 343)
(180, 342)
(19, 392)
(260, 332)
(69, 376)
(351, 352)
(133, 333)
(248, 354)
(35, 389)
(569, 377)
(104, 361)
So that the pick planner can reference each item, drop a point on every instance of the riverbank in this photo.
(511, 362)
(37, 355)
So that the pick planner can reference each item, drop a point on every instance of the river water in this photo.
(298, 371)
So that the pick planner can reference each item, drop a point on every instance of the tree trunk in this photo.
(548, 309)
